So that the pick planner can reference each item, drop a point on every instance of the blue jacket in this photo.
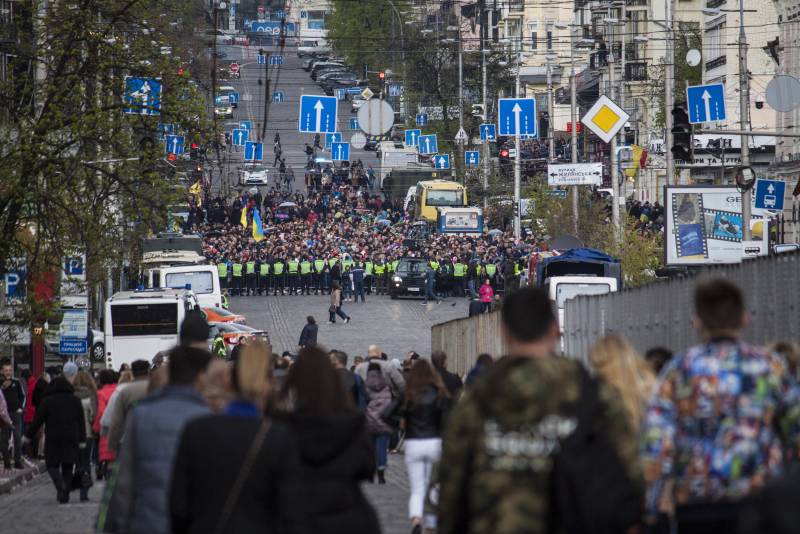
(151, 441)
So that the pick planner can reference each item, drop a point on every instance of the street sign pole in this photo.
(517, 164)
(573, 136)
(485, 146)
(613, 158)
(744, 115)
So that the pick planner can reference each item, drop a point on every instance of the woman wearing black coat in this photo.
(335, 451)
(212, 453)
(65, 430)
(308, 337)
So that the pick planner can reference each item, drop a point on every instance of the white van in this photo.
(140, 324)
(394, 155)
(203, 280)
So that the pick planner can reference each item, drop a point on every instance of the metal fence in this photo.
(660, 314)
(464, 339)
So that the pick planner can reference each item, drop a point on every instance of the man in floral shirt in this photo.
(724, 420)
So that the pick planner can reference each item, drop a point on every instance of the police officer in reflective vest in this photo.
(278, 276)
(491, 271)
(369, 267)
(222, 270)
(319, 275)
(237, 278)
(218, 349)
(250, 271)
(380, 277)
(459, 272)
(305, 276)
(263, 276)
(294, 271)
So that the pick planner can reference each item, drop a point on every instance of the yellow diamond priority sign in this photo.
(367, 93)
(605, 118)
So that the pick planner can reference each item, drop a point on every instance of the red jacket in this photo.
(30, 409)
(103, 396)
(486, 292)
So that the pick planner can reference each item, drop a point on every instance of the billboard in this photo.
(703, 225)
(466, 220)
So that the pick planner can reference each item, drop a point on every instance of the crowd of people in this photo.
(702, 441)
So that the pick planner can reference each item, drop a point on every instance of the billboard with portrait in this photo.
(703, 225)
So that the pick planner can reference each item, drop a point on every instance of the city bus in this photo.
(435, 194)
(140, 324)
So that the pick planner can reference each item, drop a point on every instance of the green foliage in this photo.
(687, 36)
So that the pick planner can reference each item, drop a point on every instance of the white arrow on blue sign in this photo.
(331, 138)
(488, 132)
(769, 194)
(174, 144)
(412, 137)
(340, 151)
(341, 94)
(516, 116)
(233, 97)
(247, 125)
(142, 96)
(317, 114)
(277, 96)
(239, 136)
(472, 158)
(253, 151)
(395, 89)
(706, 103)
(164, 130)
(428, 144)
(276, 59)
(354, 124)
(354, 90)
(441, 161)
(422, 119)
(262, 59)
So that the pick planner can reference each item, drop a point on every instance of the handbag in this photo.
(241, 477)
(332, 309)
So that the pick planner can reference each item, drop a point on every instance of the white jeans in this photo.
(420, 457)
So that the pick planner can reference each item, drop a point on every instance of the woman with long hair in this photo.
(424, 409)
(618, 363)
(86, 391)
(335, 451)
(336, 304)
(234, 472)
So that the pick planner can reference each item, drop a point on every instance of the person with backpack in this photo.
(379, 397)
(538, 445)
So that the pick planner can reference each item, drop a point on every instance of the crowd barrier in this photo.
(463, 340)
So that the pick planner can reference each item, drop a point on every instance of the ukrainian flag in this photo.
(243, 220)
(258, 230)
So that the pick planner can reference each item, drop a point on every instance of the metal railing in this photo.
(660, 314)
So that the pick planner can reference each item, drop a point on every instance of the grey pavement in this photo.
(397, 326)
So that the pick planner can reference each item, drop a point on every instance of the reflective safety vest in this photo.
(516, 269)
(277, 268)
(237, 270)
(395, 263)
(491, 269)
(459, 269)
(251, 267)
(222, 269)
(219, 348)
(368, 268)
(390, 267)
(305, 267)
(319, 265)
(264, 269)
(332, 262)
(379, 268)
(224, 301)
(347, 263)
(434, 265)
(293, 264)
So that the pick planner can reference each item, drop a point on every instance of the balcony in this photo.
(714, 63)
(635, 71)
(715, 3)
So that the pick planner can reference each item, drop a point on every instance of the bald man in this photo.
(391, 373)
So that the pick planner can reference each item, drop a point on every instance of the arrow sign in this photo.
(517, 116)
(412, 137)
(471, 158)
(422, 119)
(246, 125)
(442, 161)
(332, 138)
(174, 144)
(769, 194)
(340, 151)
(428, 144)
(317, 114)
(262, 59)
(575, 174)
(706, 103)
(253, 151)
(239, 137)
(488, 132)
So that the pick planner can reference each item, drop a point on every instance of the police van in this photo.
(139, 324)
(203, 280)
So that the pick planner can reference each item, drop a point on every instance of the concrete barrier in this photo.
(464, 339)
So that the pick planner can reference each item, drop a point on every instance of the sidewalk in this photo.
(391, 499)
(11, 478)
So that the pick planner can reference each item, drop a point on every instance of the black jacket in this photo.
(210, 455)
(308, 337)
(425, 418)
(14, 394)
(62, 414)
(451, 381)
(335, 456)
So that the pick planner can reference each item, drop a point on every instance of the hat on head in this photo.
(70, 370)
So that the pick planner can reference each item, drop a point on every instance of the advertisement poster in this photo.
(703, 225)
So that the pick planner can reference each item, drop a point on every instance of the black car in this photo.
(409, 279)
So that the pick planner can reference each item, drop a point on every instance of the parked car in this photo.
(221, 315)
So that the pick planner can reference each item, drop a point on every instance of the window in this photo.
(564, 292)
(144, 319)
(316, 20)
(713, 42)
(549, 36)
(532, 29)
(439, 197)
(200, 282)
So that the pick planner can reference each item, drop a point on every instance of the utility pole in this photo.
(517, 162)
(669, 98)
(744, 116)
(573, 117)
(485, 145)
(613, 156)
(461, 97)
(551, 148)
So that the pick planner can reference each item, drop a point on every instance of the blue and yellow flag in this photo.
(243, 220)
(258, 230)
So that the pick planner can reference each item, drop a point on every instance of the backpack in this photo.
(591, 492)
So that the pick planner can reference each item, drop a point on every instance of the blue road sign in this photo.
(239, 136)
(354, 90)
(516, 116)
(262, 59)
(253, 151)
(15, 280)
(441, 161)
(422, 119)
(340, 151)
(428, 144)
(488, 132)
(278, 96)
(74, 266)
(354, 124)
(303, 14)
(317, 114)
(331, 138)
(412, 137)
(174, 144)
(472, 158)
(142, 96)
(769, 194)
(164, 130)
(706, 103)
(395, 89)
(233, 97)
(341, 94)
(276, 59)
(72, 346)
(246, 125)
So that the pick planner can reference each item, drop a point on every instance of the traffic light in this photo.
(503, 158)
(172, 157)
(195, 150)
(681, 134)
(180, 71)
(381, 78)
